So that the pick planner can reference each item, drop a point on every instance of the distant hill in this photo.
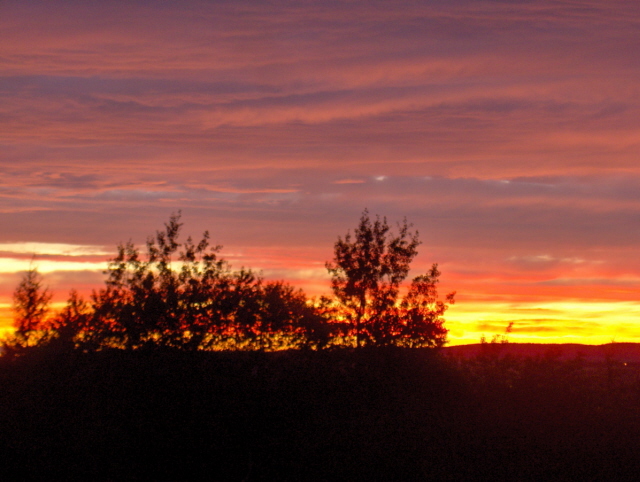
(619, 352)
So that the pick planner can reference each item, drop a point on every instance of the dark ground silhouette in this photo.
(366, 414)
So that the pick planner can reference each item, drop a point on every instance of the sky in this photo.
(507, 132)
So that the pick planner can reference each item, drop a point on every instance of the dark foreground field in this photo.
(375, 414)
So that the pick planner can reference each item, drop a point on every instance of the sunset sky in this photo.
(507, 132)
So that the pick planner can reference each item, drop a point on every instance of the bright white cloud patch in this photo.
(61, 249)
(13, 265)
(50, 257)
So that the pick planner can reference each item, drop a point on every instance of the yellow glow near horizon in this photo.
(6, 318)
(583, 322)
(576, 321)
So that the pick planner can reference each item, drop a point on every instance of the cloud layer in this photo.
(507, 132)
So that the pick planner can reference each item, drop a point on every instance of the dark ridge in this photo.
(171, 415)
(622, 352)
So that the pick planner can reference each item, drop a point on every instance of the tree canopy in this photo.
(30, 305)
(366, 276)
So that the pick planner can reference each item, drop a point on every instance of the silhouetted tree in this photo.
(147, 301)
(287, 314)
(183, 295)
(420, 320)
(31, 306)
(72, 326)
(367, 272)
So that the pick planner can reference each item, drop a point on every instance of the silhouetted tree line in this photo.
(184, 295)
